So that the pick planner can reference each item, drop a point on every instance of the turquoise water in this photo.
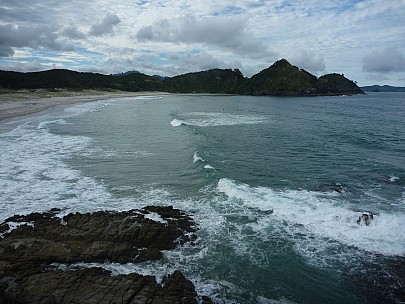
(257, 173)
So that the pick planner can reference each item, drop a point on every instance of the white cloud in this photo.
(387, 60)
(309, 60)
(192, 62)
(26, 66)
(30, 36)
(222, 32)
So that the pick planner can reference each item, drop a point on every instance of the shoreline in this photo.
(15, 104)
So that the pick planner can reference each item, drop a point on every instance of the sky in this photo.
(362, 39)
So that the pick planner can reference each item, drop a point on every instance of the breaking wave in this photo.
(321, 216)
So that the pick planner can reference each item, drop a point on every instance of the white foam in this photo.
(321, 216)
(259, 198)
(46, 123)
(155, 217)
(34, 176)
(79, 109)
(156, 269)
(147, 97)
(176, 122)
(208, 119)
(14, 225)
(196, 158)
(393, 178)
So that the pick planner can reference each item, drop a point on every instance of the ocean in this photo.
(276, 186)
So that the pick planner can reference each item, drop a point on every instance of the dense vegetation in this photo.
(211, 81)
(280, 79)
(337, 84)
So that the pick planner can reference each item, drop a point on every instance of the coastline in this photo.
(23, 102)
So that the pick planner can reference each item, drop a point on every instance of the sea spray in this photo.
(176, 123)
(321, 216)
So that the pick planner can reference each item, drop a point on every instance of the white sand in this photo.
(20, 103)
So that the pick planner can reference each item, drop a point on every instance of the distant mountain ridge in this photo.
(383, 88)
(280, 79)
(126, 73)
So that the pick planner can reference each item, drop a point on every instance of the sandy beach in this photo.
(24, 102)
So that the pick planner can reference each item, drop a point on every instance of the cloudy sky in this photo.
(365, 40)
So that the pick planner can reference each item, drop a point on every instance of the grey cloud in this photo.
(105, 27)
(21, 11)
(257, 3)
(73, 33)
(309, 61)
(32, 66)
(384, 61)
(6, 51)
(180, 63)
(196, 62)
(145, 33)
(223, 32)
(33, 37)
(376, 77)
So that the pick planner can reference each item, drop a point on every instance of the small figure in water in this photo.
(365, 217)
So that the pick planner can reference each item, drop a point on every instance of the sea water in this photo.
(275, 185)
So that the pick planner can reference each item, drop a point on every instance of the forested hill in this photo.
(284, 79)
(280, 79)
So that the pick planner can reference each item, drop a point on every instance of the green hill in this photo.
(332, 84)
(211, 81)
(280, 79)
(284, 79)
(67, 79)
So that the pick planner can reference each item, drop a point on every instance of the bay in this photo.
(276, 185)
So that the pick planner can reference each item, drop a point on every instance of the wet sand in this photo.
(20, 103)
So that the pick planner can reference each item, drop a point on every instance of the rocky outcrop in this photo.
(96, 285)
(28, 252)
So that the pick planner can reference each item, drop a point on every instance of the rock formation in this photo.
(27, 254)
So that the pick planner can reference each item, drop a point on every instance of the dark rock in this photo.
(95, 285)
(4, 227)
(32, 217)
(115, 236)
(206, 300)
(122, 237)
(175, 286)
(365, 218)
